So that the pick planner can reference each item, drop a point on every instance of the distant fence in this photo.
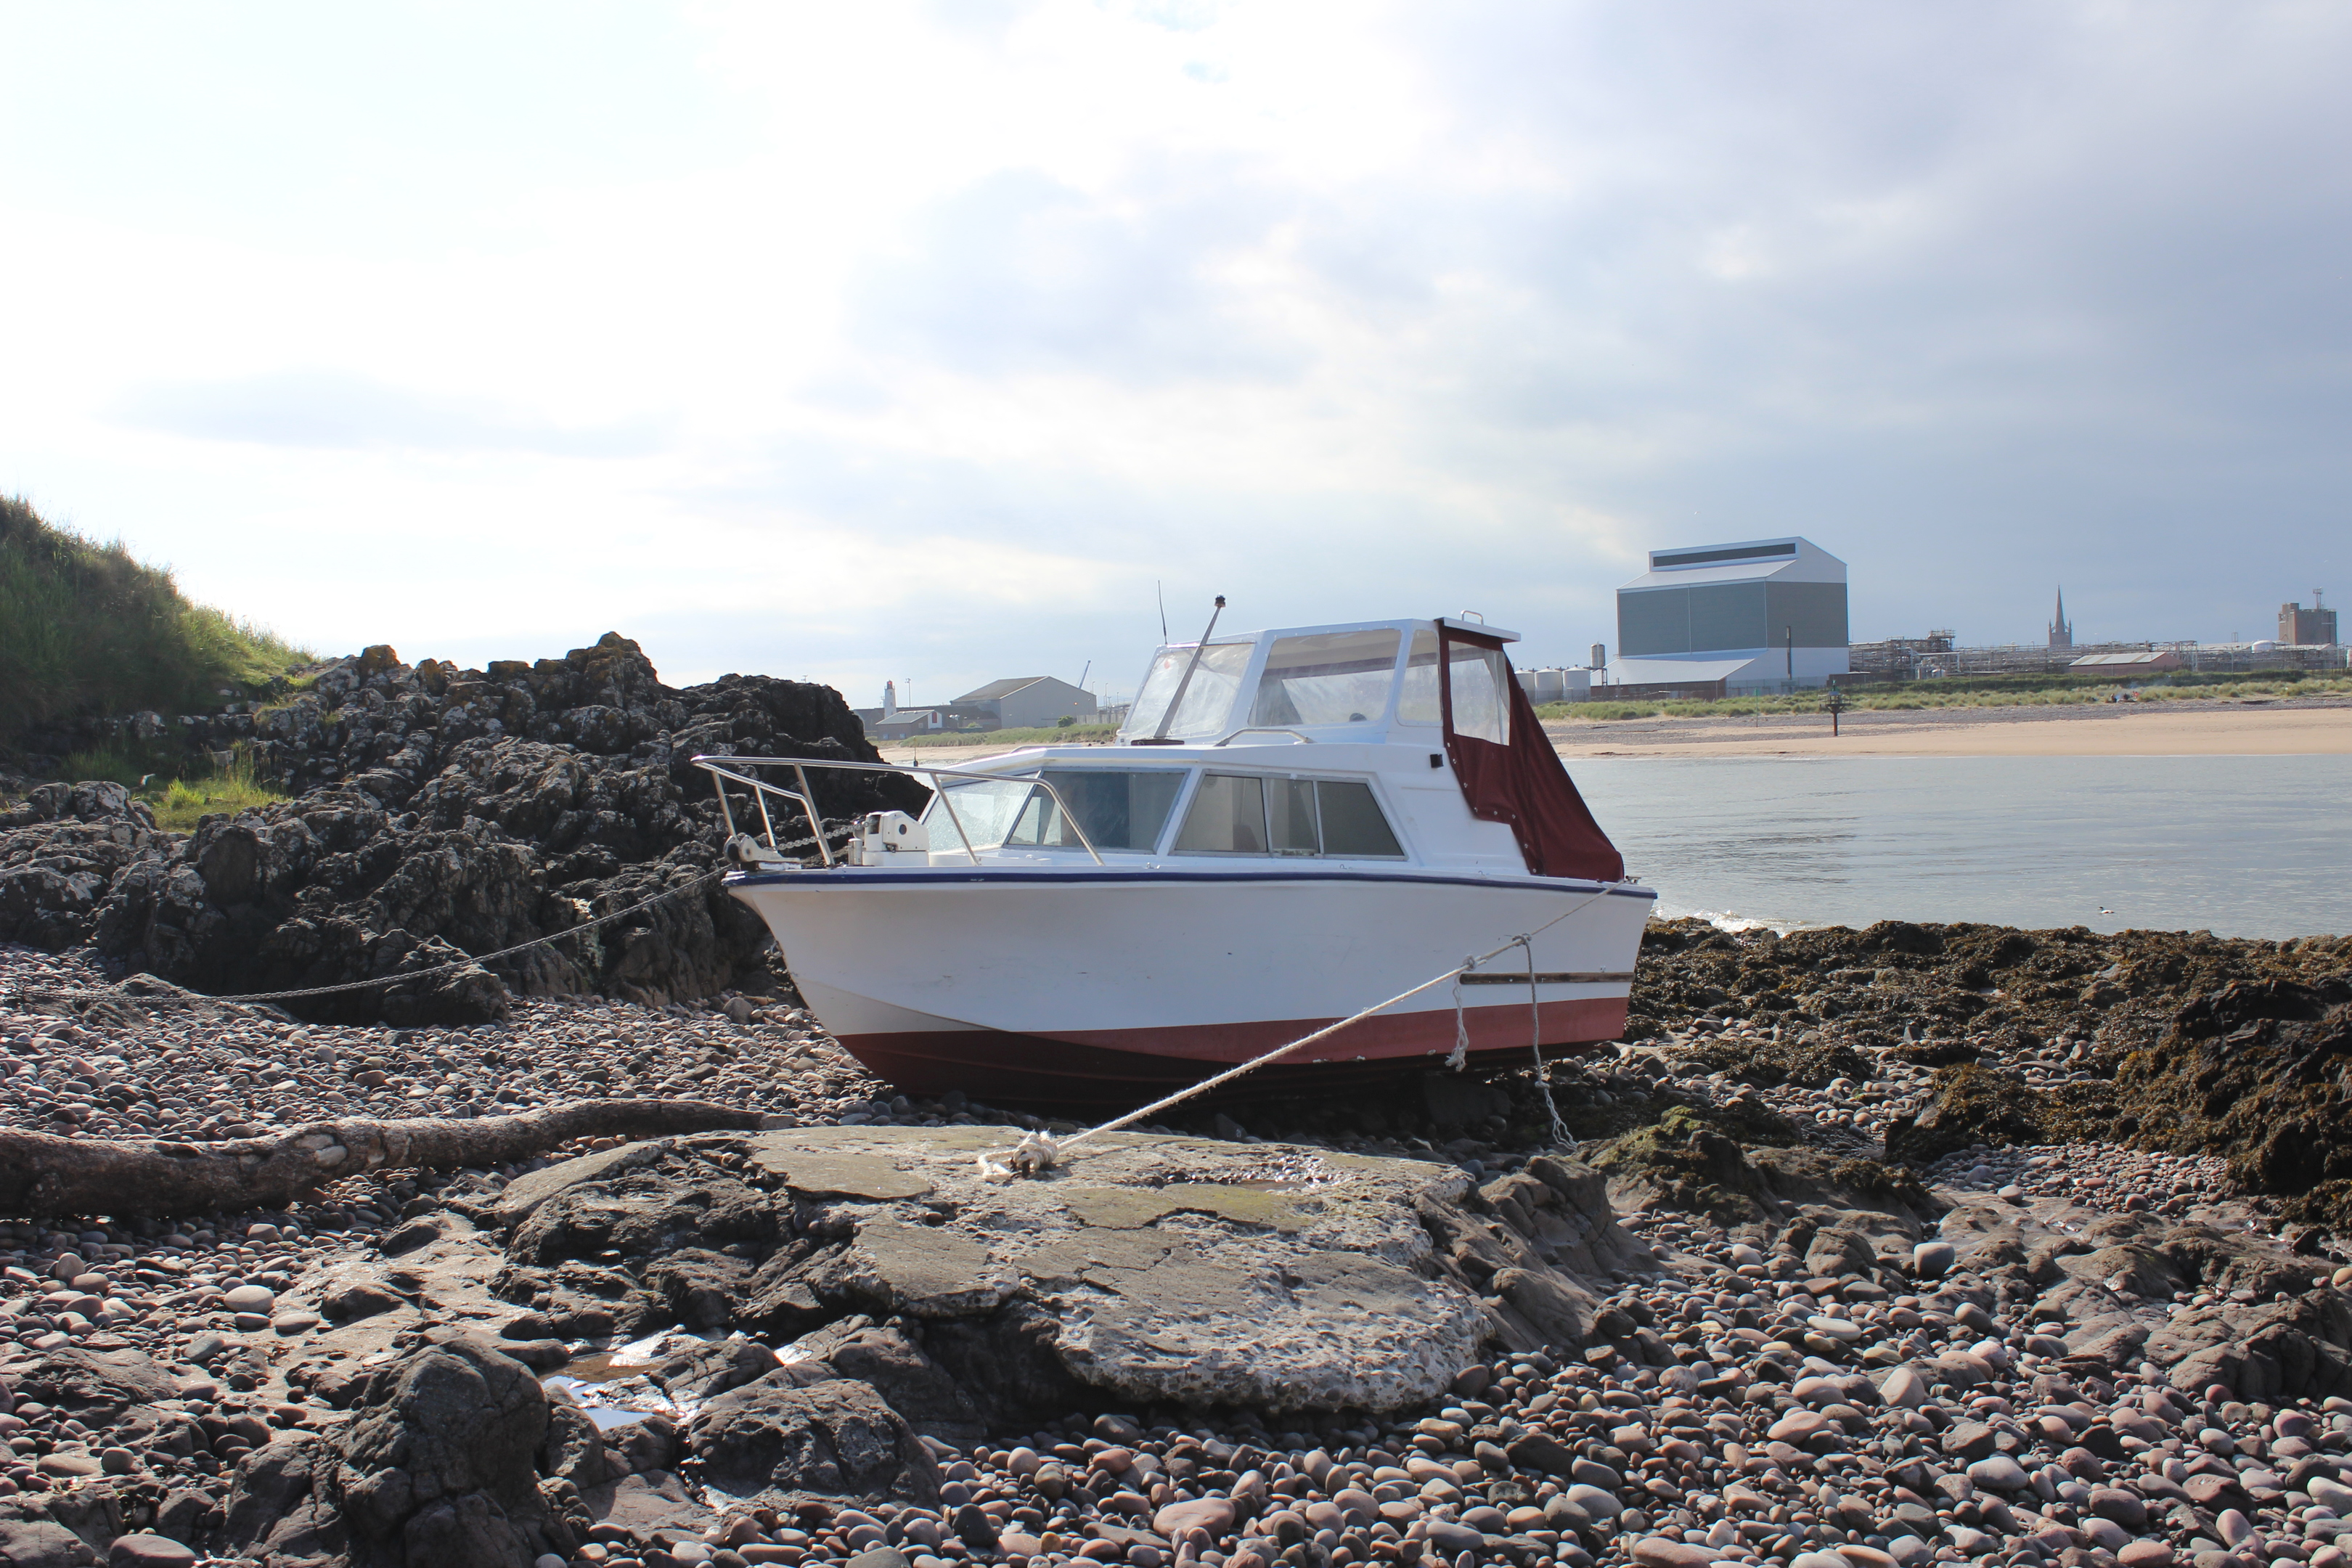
(1901, 660)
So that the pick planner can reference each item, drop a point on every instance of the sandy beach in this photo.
(2317, 727)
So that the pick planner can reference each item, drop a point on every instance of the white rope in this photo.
(1560, 1138)
(1037, 1154)
(1461, 1057)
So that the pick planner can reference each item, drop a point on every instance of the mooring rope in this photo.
(1037, 1152)
(193, 998)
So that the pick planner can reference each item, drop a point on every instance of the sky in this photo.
(940, 341)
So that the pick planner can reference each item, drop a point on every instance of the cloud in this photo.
(968, 322)
(338, 410)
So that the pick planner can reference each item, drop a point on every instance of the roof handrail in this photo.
(1298, 735)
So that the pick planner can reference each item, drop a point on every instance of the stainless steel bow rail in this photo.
(722, 770)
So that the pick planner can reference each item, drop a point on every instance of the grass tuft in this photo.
(85, 629)
(179, 793)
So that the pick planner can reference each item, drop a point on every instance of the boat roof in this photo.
(1353, 680)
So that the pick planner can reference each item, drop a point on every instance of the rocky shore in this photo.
(1910, 1245)
(435, 812)
(1730, 1327)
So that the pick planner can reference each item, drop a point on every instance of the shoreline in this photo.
(2317, 727)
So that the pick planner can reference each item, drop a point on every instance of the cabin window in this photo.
(1208, 702)
(1118, 810)
(1481, 707)
(1326, 677)
(1243, 814)
(1353, 826)
(1228, 817)
(984, 812)
(1417, 701)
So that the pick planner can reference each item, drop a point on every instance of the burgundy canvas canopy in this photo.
(1519, 780)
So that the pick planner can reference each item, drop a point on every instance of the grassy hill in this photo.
(85, 629)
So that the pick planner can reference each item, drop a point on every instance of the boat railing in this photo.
(805, 799)
(1301, 737)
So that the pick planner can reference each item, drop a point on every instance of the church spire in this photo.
(2062, 631)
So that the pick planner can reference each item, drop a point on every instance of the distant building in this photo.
(1029, 702)
(2143, 661)
(1763, 615)
(1900, 658)
(2314, 627)
(2062, 630)
(892, 722)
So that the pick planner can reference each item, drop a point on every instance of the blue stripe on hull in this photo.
(870, 876)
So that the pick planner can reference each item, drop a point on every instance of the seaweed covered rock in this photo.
(1938, 993)
(1696, 1157)
(1810, 1060)
(1967, 1105)
(2254, 1071)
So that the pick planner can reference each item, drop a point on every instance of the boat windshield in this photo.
(1326, 677)
(1118, 809)
(1208, 702)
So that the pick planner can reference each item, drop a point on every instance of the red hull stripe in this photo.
(1491, 1028)
(1121, 1067)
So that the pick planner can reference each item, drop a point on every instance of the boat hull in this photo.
(1107, 988)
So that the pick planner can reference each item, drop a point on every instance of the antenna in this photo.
(1083, 674)
(1162, 595)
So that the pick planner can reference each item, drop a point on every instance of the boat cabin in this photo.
(1371, 744)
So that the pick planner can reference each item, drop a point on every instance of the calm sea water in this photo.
(2237, 846)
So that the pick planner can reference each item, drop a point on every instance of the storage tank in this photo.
(1542, 685)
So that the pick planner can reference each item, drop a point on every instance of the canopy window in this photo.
(1326, 677)
(1507, 766)
(1418, 701)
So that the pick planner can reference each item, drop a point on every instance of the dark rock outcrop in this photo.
(440, 1466)
(779, 1441)
(440, 813)
(61, 851)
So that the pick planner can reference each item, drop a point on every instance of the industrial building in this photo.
(1023, 702)
(2314, 627)
(1029, 702)
(1732, 620)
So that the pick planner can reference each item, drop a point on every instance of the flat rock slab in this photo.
(1175, 1270)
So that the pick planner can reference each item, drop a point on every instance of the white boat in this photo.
(1292, 826)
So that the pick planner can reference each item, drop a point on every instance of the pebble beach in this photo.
(1762, 1413)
